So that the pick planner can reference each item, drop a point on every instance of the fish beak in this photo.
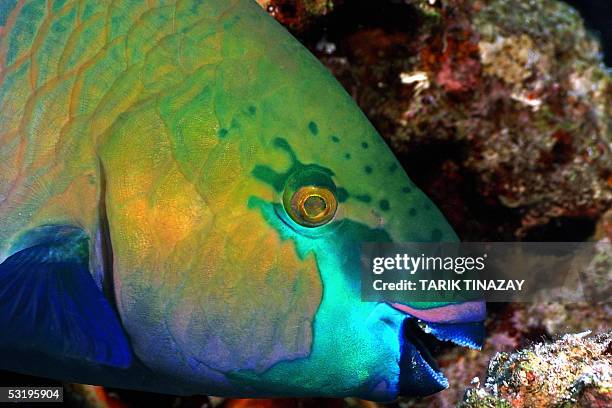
(419, 373)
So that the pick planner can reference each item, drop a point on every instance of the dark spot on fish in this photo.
(235, 123)
(314, 129)
(284, 145)
(364, 198)
(223, 133)
(335, 139)
(342, 194)
(436, 234)
(364, 145)
(406, 190)
(392, 167)
(368, 169)
(384, 205)
(252, 110)
(347, 156)
(412, 212)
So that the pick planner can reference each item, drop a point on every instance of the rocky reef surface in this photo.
(573, 371)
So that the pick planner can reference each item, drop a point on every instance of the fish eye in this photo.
(312, 206)
(309, 199)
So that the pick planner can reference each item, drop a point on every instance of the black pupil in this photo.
(314, 206)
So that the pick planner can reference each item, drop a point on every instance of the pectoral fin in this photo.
(50, 304)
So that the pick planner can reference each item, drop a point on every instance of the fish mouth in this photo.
(419, 372)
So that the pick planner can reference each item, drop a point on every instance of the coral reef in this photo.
(573, 371)
(298, 14)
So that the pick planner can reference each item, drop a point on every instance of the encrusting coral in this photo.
(575, 371)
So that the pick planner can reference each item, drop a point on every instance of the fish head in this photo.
(237, 202)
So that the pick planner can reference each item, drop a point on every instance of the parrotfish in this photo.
(184, 190)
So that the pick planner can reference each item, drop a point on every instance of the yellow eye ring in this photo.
(313, 206)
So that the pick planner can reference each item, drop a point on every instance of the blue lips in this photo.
(419, 373)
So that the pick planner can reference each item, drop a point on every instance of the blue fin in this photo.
(49, 303)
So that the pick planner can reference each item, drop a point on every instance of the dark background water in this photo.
(598, 18)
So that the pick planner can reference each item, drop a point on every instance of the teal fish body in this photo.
(184, 191)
